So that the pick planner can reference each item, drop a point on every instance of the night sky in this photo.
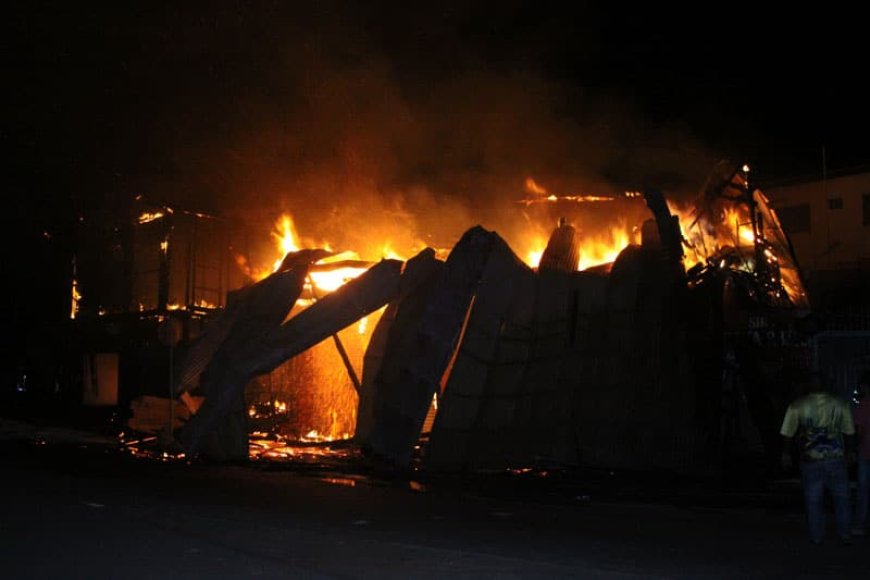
(211, 105)
(241, 108)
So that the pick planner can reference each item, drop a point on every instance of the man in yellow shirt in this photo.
(820, 420)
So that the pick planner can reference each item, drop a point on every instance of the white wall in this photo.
(837, 238)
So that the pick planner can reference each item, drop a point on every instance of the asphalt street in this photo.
(74, 507)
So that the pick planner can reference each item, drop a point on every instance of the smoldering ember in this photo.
(469, 357)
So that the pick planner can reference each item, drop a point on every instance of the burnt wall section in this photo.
(480, 395)
(527, 348)
(389, 412)
(640, 409)
(560, 369)
(422, 340)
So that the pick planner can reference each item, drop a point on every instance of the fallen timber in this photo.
(262, 341)
(221, 416)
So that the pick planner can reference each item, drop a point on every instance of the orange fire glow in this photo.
(533, 256)
(732, 227)
(595, 250)
(739, 224)
(707, 235)
(267, 446)
(285, 234)
(314, 388)
(605, 248)
(540, 195)
(321, 280)
(533, 187)
(76, 298)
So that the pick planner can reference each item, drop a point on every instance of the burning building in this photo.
(670, 351)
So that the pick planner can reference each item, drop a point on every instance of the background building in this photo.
(828, 221)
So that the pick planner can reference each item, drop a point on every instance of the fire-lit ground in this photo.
(74, 507)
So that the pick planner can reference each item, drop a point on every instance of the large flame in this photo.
(286, 237)
(603, 249)
(595, 250)
(601, 241)
(708, 235)
(728, 228)
(530, 245)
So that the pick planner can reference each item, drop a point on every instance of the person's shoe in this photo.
(816, 542)
(858, 532)
(846, 540)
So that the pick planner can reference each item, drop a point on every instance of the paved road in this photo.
(73, 509)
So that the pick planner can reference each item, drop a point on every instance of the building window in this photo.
(866, 203)
(795, 219)
(835, 203)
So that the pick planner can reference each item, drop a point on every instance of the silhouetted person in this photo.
(862, 422)
(820, 420)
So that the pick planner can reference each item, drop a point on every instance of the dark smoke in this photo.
(355, 117)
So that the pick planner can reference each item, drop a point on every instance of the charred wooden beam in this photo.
(266, 302)
(358, 298)
(307, 256)
(669, 225)
(260, 309)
